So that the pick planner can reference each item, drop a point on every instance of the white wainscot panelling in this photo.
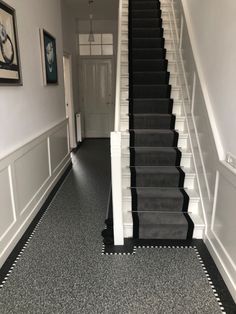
(58, 147)
(26, 180)
(7, 218)
(31, 172)
(223, 220)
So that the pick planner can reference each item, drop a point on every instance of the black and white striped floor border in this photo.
(19, 249)
(112, 251)
(21, 252)
(209, 280)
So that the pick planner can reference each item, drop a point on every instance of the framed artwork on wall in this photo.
(10, 71)
(49, 58)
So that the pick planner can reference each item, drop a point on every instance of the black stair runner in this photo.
(159, 201)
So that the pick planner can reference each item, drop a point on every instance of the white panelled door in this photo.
(97, 94)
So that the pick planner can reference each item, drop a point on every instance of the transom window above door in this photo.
(101, 46)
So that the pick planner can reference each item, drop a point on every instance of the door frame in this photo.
(68, 84)
(81, 97)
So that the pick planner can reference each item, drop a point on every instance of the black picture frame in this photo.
(10, 68)
(49, 58)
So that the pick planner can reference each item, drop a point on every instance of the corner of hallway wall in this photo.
(211, 25)
(34, 150)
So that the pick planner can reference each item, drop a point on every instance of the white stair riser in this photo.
(124, 58)
(169, 45)
(180, 124)
(124, 69)
(124, 46)
(175, 93)
(172, 67)
(177, 108)
(170, 56)
(183, 142)
(186, 161)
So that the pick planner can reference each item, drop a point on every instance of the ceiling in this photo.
(101, 9)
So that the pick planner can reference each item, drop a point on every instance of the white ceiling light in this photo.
(91, 35)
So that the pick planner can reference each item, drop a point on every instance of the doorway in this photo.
(97, 97)
(69, 101)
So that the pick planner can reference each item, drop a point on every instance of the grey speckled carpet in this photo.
(62, 269)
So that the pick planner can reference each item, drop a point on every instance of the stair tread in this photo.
(152, 114)
(150, 85)
(193, 195)
(146, 10)
(186, 170)
(152, 98)
(134, 49)
(152, 71)
(155, 192)
(155, 170)
(147, 131)
(146, 18)
(172, 219)
(151, 149)
(147, 38)
(144, 28)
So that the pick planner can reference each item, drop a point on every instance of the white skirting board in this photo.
(27, 176)
(78, 127)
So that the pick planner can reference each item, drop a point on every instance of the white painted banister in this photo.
(116, 166)
(118, 70)
(117, 188)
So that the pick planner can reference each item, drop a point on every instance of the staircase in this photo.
(160, 198)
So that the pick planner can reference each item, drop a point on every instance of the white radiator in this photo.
(78, 127)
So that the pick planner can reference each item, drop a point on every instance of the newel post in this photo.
(116, 173)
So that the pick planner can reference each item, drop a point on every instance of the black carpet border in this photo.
(178, 156)
(181, 177)
(21, 244)
(176, 138)
(135, 213)
(217, 283)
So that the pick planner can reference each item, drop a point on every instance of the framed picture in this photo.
(10, 72)
(49, 58)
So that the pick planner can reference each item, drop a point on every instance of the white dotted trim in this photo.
(210, 281)
(31, 235)
(22, 251)
(176, 247)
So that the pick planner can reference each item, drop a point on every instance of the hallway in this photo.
(62, 269)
